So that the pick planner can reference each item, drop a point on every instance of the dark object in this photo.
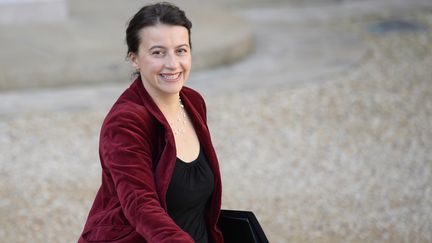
(397, 25)
(241, 226)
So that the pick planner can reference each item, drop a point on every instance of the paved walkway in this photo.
(331, 147)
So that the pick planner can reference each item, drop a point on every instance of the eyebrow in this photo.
(184, 45)
(162, 47)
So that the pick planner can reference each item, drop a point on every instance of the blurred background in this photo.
(320, 112)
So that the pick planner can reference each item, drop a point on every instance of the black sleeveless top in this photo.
(190, 188)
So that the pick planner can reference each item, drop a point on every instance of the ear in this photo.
(133, 59)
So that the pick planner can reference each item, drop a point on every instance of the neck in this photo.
(168, 104)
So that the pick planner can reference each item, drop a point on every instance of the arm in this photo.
(126, 153)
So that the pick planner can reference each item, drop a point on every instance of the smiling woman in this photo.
(163, 59)
(160, 174)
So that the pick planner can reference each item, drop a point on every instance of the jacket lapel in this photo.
(165, 166)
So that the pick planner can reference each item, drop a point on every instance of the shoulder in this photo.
(192, 94)
(128, 112)
(195, 99)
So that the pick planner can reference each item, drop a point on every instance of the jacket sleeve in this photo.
(126, 153)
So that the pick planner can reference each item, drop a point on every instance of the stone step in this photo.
(89, 47)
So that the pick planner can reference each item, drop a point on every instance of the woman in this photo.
(160, 175)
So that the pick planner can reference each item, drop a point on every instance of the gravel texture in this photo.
(345, 159)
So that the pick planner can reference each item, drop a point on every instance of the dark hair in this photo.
(150, 15)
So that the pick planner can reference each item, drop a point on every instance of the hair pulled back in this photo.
(150, 15)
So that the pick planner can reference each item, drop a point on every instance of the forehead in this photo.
(164, 35)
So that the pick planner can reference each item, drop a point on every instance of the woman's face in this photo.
(163, 59)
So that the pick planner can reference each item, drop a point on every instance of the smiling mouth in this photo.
(170, 76)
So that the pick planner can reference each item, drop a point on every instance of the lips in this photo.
(170, 77)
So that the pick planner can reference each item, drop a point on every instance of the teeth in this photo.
(172, 76)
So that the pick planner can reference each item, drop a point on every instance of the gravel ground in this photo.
(346, 159)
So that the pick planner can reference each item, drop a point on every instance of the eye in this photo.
(157, 53)
(182, 51)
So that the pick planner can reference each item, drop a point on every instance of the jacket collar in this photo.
(149, 103)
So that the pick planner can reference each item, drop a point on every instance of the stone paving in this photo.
(339, 154)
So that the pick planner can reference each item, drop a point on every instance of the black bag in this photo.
(240, 226)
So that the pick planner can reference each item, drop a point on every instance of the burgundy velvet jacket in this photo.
(138, 154)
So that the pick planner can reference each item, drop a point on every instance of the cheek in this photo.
(187, 63)
(151, 65)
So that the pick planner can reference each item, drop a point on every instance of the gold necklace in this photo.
(181, 120)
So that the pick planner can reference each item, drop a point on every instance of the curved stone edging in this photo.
(89, 47)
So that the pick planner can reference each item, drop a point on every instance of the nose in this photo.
(171, 61)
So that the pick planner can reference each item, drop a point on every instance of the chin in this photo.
(173, 90)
